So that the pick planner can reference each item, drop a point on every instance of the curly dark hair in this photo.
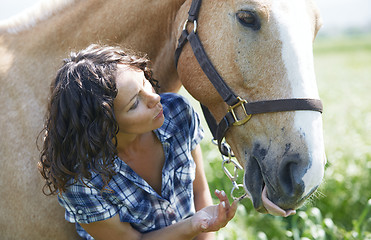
(80, 127)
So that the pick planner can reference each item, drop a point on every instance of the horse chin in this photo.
(263, 204)
(259, 192)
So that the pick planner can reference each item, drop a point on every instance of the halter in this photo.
(249, 108)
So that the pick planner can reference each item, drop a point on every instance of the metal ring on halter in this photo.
(224, 145)
(194, 25)
(237, 186)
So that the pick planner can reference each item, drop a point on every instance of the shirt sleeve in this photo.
(184, 118)
(196, 130)
(85, 205)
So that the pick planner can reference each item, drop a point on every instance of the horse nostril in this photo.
(290, 176)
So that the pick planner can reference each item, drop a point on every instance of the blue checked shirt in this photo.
(132, 197)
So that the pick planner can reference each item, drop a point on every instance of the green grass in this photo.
(342, 208)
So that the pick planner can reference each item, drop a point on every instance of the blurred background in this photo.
(341, 208)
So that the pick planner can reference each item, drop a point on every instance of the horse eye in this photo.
(248, 19)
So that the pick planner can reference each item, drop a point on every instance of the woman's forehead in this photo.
(128, 75)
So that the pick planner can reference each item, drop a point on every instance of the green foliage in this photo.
(342, 206)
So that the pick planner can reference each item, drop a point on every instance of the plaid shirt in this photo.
(132, 197)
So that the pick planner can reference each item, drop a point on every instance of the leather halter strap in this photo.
(231, 119)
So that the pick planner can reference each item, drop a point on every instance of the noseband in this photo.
(233, 101)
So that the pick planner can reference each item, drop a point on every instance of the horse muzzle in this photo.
(277, 186)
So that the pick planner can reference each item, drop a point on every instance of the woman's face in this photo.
(137, 107)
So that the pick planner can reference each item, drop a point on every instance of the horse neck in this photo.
(141, 25)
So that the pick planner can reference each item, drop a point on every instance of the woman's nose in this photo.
(153, 99)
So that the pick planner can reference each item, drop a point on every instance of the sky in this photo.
(337, 14)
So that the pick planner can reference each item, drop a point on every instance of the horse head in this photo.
(264, 51)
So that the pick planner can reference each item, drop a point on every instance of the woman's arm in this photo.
(211, 218)
(201, 191)
(202, 197)
(114, 229)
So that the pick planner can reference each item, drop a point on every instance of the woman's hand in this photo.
(208, 219)
(213, 218)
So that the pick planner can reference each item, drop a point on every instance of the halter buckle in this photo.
(241, 103)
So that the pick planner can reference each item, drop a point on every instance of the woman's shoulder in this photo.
(174, 104)
(173, 99)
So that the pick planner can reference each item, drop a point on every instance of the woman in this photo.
(126, 162)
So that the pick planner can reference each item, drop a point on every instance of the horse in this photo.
(261, 48)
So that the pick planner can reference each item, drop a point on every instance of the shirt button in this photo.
(173, 222)
(80, 211)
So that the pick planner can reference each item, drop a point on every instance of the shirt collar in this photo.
(167, 130)
(125, 170)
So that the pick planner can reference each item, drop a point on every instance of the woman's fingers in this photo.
(232, 210)
(222, 214)
(222, 198)
(204, 225)
(228, 210)
(214, 217)
(221, 195)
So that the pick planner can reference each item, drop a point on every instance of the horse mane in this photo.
(32, 15)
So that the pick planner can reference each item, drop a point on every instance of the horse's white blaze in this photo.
(310, 126)
(296, 34)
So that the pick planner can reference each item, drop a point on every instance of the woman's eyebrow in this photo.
(131, 99)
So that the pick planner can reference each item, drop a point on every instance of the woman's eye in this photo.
(248, 19)
(134, 106)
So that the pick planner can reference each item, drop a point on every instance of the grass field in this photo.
(342, 207)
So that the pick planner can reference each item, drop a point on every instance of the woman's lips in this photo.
(159, 114)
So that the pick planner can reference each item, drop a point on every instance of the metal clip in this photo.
(241, 103)
(233, 177)
(237, 166)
